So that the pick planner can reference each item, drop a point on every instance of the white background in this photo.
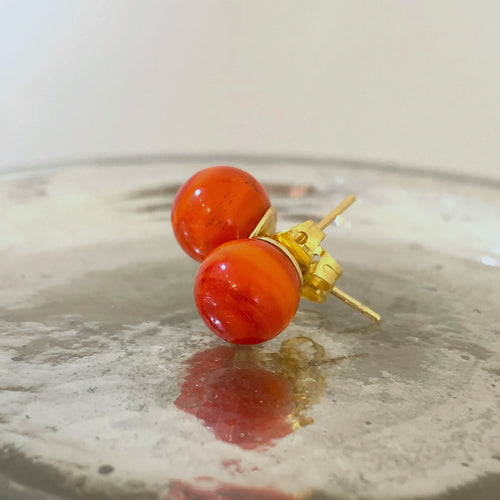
(413, 82)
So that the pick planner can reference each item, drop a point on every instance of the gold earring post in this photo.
(329, 218)
(345, 297)
(355, 304)
(341, 295)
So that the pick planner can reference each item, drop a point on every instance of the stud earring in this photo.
(247, 290)
(217, 205)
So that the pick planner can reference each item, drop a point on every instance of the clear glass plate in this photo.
(112, 387)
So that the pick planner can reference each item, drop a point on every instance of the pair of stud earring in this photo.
(251, 278)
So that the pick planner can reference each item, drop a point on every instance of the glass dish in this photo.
(112, 387)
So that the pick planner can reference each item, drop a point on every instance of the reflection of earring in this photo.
(247, 290)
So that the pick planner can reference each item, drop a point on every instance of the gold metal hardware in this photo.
(319, 271)
(266, 225)
(287, 253)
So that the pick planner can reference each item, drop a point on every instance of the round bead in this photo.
(247, 291)
(217, 205)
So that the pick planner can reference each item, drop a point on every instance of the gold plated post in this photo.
(355, 304)
(266, 225)
(328, 219)
(319, 270)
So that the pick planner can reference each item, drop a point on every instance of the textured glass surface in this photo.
(99, 339)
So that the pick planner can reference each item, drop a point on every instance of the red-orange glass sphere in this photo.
(216, 205)
(247, 291)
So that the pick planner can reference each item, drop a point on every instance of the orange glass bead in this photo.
(217, 205)
(247, 291)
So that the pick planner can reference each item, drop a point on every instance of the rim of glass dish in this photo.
(131, 160)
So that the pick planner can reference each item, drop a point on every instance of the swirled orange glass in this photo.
(247, 291)
(214, 206)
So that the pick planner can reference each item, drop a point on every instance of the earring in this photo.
(248, 289)
(216, 205)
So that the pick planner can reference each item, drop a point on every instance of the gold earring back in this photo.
(319, 271)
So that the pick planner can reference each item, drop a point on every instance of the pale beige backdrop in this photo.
(406, 82)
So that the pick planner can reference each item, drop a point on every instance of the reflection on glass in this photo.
(180, 490)
(249, 397)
